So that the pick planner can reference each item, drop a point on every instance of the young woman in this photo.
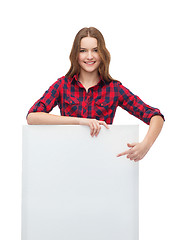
(88, 95)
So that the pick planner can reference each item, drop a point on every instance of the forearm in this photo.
(155, 127)
(42, 118)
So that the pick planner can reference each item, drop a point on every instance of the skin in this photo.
(138, 151)
(89, 77)
(88, 53)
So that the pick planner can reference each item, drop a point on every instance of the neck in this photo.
(89, 78)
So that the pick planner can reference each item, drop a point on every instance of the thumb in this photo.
(131, 144)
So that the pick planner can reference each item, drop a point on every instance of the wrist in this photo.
(147, 142)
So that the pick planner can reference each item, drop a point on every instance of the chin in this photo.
(90, 70)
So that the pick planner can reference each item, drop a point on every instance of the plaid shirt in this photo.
(100, 102)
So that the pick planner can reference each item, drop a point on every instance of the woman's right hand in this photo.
(94, 125)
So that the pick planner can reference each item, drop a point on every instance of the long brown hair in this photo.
(102, 50)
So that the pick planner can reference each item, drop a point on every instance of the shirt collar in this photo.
(76, 78)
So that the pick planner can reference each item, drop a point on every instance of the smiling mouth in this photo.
(90, 63)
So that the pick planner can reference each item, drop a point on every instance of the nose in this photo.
(89, 56)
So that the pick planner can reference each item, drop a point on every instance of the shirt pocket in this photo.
(102, 107)
(71, 106)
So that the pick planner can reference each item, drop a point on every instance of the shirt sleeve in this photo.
(48, 101)
(135, 106)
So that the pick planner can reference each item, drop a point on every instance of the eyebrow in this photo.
(86, 48)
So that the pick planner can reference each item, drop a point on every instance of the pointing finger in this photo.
(122, 154)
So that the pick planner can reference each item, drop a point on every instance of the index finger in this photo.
(122, 154)
(104, 123)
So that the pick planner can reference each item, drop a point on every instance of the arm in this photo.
(42, 118)
(39, 112)
(138, 150)
(155, 127)
(151, 116)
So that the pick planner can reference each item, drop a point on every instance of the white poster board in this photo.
(75, 188)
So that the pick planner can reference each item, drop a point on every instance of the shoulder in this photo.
(58, 84)
(120, 88)
(62, 79)
(114, 83)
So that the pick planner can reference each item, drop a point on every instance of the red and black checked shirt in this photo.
(100, 102)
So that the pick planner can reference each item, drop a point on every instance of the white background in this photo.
(144, 39)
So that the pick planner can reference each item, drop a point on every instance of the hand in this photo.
(94, 125)
(136, 152)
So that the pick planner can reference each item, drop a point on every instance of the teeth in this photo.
(90, 63)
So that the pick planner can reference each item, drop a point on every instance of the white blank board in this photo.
(75, 188)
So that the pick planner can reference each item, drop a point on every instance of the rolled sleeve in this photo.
(48, 101)
(135, 106)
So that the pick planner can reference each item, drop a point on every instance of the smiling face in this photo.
(88, 58)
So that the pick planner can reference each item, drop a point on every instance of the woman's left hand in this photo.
(136, 152)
